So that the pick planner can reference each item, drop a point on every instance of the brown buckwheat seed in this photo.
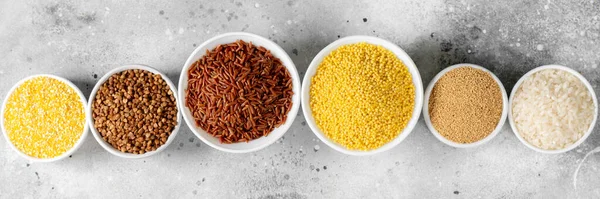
(135, 111)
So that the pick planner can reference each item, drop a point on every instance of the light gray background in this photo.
(82, 41)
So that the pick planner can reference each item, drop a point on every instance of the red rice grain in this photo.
(239, 92)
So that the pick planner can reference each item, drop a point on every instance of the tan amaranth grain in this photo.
(465, 105)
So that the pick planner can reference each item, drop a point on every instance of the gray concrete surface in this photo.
(82, 41)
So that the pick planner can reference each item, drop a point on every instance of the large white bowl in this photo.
(452, 143)
(587, 85)
(312, 69)
(97, 134)
(256, 144)
(67, 153)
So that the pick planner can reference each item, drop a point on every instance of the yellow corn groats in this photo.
(44, 117)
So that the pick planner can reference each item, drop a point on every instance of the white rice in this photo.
(552, 109)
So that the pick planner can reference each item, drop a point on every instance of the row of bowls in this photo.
(507, 106)
(301, 96)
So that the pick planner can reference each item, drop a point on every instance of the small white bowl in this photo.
(450, 142)
(97, 134)
(312, 69)
(68, 152)
(256, 144)
(587, 85)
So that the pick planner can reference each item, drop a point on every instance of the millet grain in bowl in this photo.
(135, 111)
(465, 105)
(552, 109)
(44, 117)
(362, 96)
(239, 92)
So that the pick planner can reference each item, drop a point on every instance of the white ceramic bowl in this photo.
(67, 153)
(97, 134)
(312, 69)
(450, 142)
(256, 144)
(587, 85)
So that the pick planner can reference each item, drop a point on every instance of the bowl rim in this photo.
(486, 139)
(97, 135)
(272, 46)
(77, 144)
(587, 85)
(400, 54)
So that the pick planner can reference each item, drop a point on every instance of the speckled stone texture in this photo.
(81, 41)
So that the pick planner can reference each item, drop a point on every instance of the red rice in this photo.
(239, 92)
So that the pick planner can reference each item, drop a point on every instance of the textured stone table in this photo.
(83, 41)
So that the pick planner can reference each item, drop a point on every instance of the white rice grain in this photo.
(552, 109)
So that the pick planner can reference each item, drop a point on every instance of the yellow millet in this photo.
(362, 96)
(44, 117)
